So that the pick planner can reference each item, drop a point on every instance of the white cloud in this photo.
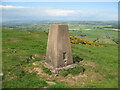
(1, 6)
(11, 13)
(59, 12)
(48, 11)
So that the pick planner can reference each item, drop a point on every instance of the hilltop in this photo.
(21, 71)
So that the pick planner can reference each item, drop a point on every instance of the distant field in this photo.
(93, 34)
(100, 63)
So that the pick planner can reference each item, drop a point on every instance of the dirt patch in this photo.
(89, 76)
(88, 63)
(71, 80)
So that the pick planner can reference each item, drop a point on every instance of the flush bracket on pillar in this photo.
(65, 58)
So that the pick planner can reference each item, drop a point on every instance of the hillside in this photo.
(21, 71)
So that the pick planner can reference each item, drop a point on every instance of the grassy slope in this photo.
(27, 43)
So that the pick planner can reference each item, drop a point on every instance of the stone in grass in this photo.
(50, 83)
(1, 74)
(13, 50)
(45, 87)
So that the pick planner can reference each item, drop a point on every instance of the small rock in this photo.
(83, 76)
(35, 69)
(56, 75)
(1, 74)
(50, 83)
(30, 71)
(14, 50)
(34, 64)
(45, 87)
(32, 57)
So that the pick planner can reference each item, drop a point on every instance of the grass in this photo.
(101, 67)
(26, 43)
(28, 81)
(46, 70)
(59, 85)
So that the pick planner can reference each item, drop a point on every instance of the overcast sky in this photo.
(95, 11)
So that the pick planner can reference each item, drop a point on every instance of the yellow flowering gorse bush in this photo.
(75, 40)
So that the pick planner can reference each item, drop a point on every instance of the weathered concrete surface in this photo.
(58, 52)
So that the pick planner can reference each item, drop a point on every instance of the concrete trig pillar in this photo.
(58, 53)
